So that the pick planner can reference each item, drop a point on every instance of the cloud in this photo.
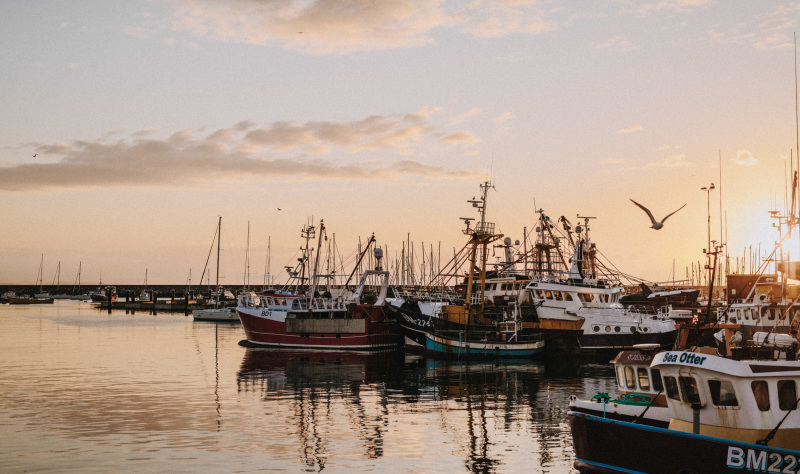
(282, 150)
(345, 26)
(495, 18)
(612, 161)
(618, 43)
(770, 32)
(315, 26)
(745, 158)
(463, 117)
(460, 137)
(679, 6)
(504, 117)
(672, 161)
(631, 129)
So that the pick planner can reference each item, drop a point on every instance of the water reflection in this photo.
(318, 382)
(492, 415)
(88, 391)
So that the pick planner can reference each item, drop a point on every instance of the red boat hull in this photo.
(379, 334)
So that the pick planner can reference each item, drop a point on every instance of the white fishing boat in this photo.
(585, 296)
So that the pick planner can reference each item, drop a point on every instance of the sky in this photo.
(129, 127)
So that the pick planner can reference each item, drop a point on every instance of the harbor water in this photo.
(88, 391)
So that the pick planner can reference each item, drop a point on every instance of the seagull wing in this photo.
(650, 214)
(673, 212)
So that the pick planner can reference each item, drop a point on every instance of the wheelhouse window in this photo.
(689, 390)
(761, 394)
(548, 295)
(722, 393)
(620, 376)
(630, 378)
(787, 395)
(657, 385)
(672, 388)
(644, 378)
(568, 297)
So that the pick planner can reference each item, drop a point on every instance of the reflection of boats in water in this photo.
(325, 391)
(279, 367)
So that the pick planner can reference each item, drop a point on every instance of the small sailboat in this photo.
(39, 298)
(216, 313)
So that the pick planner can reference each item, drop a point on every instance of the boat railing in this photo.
(323, 304)
(563, 278)
(440, 294)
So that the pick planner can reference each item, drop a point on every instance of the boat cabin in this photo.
(743, 400)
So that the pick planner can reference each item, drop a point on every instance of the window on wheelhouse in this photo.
(722, 393)
(620, 376)
(787, 395)
(656, 376)
(761, 393)
(689, 390)
(644, 378)
(630, 377)
(672, 388)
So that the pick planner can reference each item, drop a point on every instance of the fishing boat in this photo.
(640, 393)
(474, 325)
(309, 320)
(727, 414)
(588, 295)
(101, 295)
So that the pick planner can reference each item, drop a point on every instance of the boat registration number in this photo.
(761, 461)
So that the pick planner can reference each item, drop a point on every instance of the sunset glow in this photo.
(129, 128)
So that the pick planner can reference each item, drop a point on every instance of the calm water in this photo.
(87, 391)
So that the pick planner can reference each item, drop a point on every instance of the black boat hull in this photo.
(608, 446)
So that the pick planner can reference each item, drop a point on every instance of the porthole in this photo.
(608, 328)
(596, 328)
(616, 329)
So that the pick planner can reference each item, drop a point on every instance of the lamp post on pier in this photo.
(708, 190)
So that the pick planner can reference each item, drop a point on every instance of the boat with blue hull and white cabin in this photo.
(727, 414)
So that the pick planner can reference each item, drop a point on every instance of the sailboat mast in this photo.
(247, 260)
(219, 239)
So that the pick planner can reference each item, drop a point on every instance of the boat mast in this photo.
(219, 239)
(247, 260)
(40, 275)
(316, 260)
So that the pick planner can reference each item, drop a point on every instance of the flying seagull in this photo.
(656, 225)
(35, 155)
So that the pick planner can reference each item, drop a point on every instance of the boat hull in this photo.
(414, 324)
(335, 333)
(224, 314)
(30, 301)
(608, 446)
(462, 347)
(615, 342)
